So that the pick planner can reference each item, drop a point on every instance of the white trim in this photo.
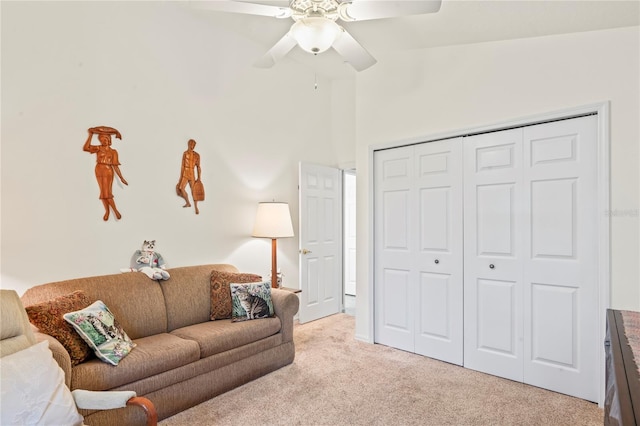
(602, 109)
(347, 166)
(368, 338)
(604, 231)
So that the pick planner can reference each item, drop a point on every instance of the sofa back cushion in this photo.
(187, 294)
(133, 298)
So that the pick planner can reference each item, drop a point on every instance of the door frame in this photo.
(602, 110)
(345, 218)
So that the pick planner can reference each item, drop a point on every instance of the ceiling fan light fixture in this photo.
(315, 34)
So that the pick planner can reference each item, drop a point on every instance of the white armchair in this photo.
(32, 385)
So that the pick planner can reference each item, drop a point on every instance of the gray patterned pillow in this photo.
(251, 301)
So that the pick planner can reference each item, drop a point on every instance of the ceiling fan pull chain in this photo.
(315, 86)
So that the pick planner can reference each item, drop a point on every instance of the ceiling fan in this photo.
(315, 29)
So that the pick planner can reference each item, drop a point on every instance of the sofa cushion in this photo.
(188, 294)
(48, 318)
(251, 301)
(100, 329)
(221, 304)
(214, 337)
(134, 299)
(152, 355)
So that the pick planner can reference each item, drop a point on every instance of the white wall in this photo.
(407, 96)
(161, 76)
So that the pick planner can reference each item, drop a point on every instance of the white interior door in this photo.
(493, 253)
(320, 230)
(418, 249)
(561, 343)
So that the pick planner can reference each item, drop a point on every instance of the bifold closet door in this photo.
(531, 289)
(418, 249)
(561, 343)
(493, 253)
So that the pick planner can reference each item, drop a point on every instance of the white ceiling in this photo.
(457, 22)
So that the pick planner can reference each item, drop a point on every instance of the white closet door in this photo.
(438, 251)
(418, 249)
(531, 289)
(493, 254)
(561, 343)
(394, 245)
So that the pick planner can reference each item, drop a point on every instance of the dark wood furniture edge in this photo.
(292, 290)
(624, 369)
(630, 366)
(147, 406)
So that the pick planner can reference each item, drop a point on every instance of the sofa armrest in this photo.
(285, 304)
(92, 400)
(60, 354)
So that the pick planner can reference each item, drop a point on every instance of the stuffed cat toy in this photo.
(148, 261)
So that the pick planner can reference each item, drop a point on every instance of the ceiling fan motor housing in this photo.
(315, 28)
(315, 8)
(315, 34)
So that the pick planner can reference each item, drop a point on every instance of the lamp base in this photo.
(274, 263)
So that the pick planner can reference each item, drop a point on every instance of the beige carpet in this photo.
(336, 380)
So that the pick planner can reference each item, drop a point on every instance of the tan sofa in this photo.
(181, 358)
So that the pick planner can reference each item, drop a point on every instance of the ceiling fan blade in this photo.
(277, 52)
(362, 10)
(353, 52)
(242, 7)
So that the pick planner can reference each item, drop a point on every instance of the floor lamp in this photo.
(273, 220)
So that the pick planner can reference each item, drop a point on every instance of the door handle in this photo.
(305, 251)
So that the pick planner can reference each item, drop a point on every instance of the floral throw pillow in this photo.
(98, 327)
(48, 318)
(251, 301)
(221, 292)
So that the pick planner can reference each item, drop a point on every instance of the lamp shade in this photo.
(273, 220)
(315, 34)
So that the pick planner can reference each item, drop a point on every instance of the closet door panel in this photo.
(554, 218)
(560, 269)
(435, 298)
(493, 253)
(495, 219)
(495, 313)
(438, 258)
(394, 234)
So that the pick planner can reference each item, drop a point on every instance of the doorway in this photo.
(349, 237)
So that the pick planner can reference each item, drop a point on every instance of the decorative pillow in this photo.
(251, 301)
(221, 292)
(98, 327)
(33, 390)
(48, 317)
